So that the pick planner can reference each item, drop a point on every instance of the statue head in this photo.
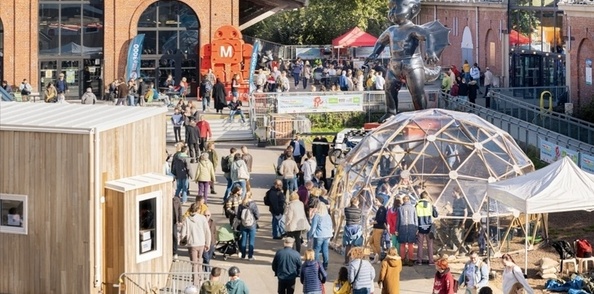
(402, 11)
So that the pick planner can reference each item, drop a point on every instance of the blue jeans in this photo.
(278, 226)
(321, 244)
(248, 239)
(205, 101)
(233, 113)
(361, 291)
(206, 257)
(228, 191)
(131, 100)
(182, 186)
(290, 184)
(243, 187)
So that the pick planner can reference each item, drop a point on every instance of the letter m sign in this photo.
(226, 51)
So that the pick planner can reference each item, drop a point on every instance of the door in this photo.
(79, 75)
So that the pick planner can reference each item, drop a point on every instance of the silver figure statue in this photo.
(406, 62)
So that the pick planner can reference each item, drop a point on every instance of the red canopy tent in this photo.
(354, 38)
(515, 38)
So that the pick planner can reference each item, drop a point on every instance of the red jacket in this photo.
(392, 220)
(443, 283)
(204, 128)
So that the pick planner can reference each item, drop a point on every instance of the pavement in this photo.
(258, 274)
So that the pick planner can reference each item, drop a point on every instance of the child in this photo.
(342, 284)
(214, 285)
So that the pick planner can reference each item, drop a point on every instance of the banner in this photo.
(309, 53)
(253, 62)
(587, 162)
(547, 150)
(364, 52)
(320, 103)
(562, 152)
(134, 53)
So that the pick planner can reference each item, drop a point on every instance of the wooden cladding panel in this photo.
(53, 171)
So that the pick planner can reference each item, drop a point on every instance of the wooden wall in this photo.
(121, 236)
(53, 170)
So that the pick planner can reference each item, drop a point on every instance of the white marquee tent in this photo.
(558, 187)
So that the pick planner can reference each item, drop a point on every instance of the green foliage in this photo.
(586, 112)
(334, 122)
(534, 155)
(321, 21)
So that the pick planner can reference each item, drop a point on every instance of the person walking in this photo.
(192, 139)
(177, 221)
(226, 162)
(235, 285)
(321, 231)
(407, 230)
(295, 220)
(289, 170)
(443, 283)
(389, 277)
(275, 200)
(62, 88)
(286, 266)
(425, 214)
(195, 230)
(218, 93)
(341, 284)
(488, 82)
(249, 160)
(214, 284)
(205, 174)
(177, 119)
(361, 272)
(475, 274)
(298, 149)
(232, 206)
(214, 158)
(309, 167)
(392, 221)
(239, 173)
(181, 171)
(313, 276)
(204, 131)
(205, 92)
(248, 215)
(353, 231)
(513, 279)
(379, 226)
(208, 254)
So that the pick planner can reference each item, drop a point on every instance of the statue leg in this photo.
(392, 86)
(415, 80)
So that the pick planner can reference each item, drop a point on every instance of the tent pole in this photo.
(526, 245)
(487, 234)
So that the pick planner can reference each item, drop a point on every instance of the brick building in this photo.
(554, 54)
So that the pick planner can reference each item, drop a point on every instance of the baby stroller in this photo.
(226, 241)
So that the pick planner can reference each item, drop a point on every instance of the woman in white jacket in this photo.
(513, 278)
(295, 220)
(196, 234)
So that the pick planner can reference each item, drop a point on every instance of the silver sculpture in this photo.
(406, 62)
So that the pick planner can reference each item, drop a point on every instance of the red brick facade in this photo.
(20, 21)
(579, 25)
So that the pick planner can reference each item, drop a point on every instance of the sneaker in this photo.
(213, 192)
(175, 257)
(251, 259)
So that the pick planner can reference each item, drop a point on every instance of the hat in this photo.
(487, 68)
(289, 241)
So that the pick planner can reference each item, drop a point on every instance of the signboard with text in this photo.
(320, 103)
(547, 150)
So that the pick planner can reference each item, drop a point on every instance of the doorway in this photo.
(79, 74)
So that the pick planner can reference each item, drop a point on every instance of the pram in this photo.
(226, 241)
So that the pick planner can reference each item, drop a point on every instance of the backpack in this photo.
(247, 217)
(583, 248)
(454, 90)
(178, 166)
(564, 249)
(225, 164)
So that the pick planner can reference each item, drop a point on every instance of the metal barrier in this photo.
(532, 95)
(523, 132)
(170, 282)
(554, 121)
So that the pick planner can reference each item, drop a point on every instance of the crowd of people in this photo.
(465, 84)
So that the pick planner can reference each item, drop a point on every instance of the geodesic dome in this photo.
(435, 150)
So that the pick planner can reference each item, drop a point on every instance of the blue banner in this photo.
(547, 151)
(134, 53)
(253, 63)
(587, 162)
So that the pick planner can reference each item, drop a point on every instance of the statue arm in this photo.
(423, 34)
(380, 44)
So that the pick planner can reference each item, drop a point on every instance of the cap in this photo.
(289, 241)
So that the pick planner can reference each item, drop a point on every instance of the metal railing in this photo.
(525, 133)
(532, 94)
(577, 2)
(554, 121)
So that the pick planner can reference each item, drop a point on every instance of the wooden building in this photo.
(83, 197)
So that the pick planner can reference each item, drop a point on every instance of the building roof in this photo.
(70, 118)
(137, 182)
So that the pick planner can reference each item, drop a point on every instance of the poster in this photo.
(561, 152)
(308, 53)
(366, 51)
(588, 71)
(48, 73)
(547, 150)
(587, 162)
(320, 103)
(70, 76)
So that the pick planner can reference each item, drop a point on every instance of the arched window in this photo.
(171, 42)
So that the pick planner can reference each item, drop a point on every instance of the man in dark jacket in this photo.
(181, 170)
(320, 149)
(287, 266)
(177, 218)
(298, 149)
(193, 139)
(275, 200)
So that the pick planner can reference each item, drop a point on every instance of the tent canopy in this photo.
(561, 186)
(355, 38)
(515, 38)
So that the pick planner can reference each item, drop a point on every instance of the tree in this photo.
(321, 21)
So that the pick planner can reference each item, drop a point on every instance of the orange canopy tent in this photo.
(516, 38)
(354, 38)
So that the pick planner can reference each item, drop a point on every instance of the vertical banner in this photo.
(587, 162)
(588, 71)
(134, 53)
(547, 150)
(253, 63)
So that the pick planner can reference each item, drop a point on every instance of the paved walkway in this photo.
(258, 274)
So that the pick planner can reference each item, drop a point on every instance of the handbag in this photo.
(184, 241)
